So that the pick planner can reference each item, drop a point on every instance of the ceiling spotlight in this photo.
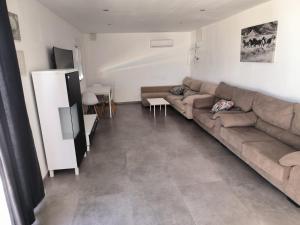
(105, 10)
(109, 24)
(202, 10)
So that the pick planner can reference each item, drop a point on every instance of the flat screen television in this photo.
(63, 58)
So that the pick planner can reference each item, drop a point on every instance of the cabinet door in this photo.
(74, 95)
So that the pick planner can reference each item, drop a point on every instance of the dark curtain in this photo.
(19, 167)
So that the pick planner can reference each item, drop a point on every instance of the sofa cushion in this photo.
(224, 91)
(178, 104)
(273, 111)
(205, 101)
(296, 120)
(195, 85)
(243, 99)
(237, 136)
(187, 81)
(192, 84)
(238, 119)
(291, 159)
(172, 98)
(208, 88)
(155, 94)
(189, 92)
(189, 100)
(266, 156)
(204, 117)
(282, 135)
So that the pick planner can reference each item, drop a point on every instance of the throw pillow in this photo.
(222, 105)
(189, 92)
(178, 90)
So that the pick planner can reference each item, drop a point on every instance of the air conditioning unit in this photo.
(161, 43)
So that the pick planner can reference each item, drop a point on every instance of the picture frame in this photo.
(258, 43)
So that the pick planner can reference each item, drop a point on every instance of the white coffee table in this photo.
(158, 102)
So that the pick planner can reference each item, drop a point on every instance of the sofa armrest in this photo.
(291, 159)
(238, 119)
(292, 188)
(151, 89)
(204, 101)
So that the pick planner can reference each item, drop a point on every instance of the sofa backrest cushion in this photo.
(204, 102)
(187, 81)
(296, 120)
(224, 91)
(243, 99)
(192, 84)
(196, 85)
(280, 134)
(274, 111)
(208, 88)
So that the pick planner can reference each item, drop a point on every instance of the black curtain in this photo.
(19, 166)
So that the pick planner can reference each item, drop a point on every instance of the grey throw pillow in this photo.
(178, 90)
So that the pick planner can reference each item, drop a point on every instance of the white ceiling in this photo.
(145, 15)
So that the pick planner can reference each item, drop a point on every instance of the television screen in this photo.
(63, 58)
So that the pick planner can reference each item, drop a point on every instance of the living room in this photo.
(201, 124)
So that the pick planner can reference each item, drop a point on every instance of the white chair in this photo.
(104, 94)
(89, 99)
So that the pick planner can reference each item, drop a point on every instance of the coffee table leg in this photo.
(165, 110)
(160, 107)
(154, 110)
(150, 108)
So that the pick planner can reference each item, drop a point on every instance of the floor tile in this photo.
(163, 171)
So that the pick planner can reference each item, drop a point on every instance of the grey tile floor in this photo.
(167, 171)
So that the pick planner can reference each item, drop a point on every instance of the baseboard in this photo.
(127, 103)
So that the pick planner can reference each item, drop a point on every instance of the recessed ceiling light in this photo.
(105, 10)
(109, 24)
(202, 10)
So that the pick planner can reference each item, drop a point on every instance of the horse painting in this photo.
(259, 42)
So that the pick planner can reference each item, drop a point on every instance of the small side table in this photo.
(158, 102)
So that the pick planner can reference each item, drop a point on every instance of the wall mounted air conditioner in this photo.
(161, 43)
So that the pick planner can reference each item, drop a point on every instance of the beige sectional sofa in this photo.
(181, 104)
(263, 131)
(154, 92)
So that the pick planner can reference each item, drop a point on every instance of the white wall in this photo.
(40, 30)
(127, 62)
(220, 51)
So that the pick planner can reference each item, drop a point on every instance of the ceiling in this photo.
(90, 16)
